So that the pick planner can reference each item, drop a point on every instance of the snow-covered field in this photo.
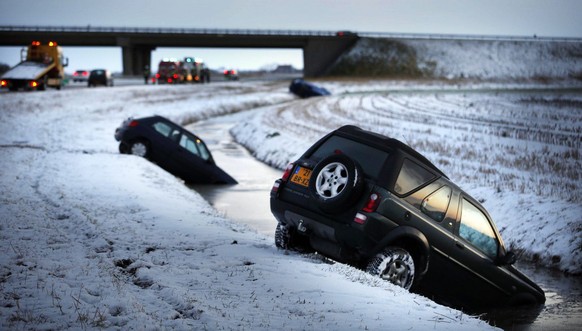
(94, 239)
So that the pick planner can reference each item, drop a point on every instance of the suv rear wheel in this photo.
(286, 238)
(395, 265)
(336, 183)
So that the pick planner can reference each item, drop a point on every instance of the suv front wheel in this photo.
(395, 265)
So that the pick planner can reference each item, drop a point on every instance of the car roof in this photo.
(384, 142)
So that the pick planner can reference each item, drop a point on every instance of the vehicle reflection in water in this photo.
(248, 203)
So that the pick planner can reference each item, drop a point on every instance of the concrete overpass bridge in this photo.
(320, 48)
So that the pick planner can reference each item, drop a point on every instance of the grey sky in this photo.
(551, 18)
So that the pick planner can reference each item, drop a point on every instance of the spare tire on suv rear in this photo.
(336, 183)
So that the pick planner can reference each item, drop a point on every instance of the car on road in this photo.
(305, 89)
(81, 76)
(172, 147)
(365, 199)
(230, 74)
(100, 77)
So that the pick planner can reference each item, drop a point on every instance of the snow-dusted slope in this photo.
(471, 59)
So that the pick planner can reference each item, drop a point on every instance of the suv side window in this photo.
(411, 177)
(436, 204)
(476, 229)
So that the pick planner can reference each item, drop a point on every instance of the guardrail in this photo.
(138, 30)
(258, 32)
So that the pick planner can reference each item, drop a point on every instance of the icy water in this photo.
(248, 203)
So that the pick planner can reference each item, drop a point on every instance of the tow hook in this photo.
(301, 227)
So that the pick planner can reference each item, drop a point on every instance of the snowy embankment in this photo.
(498, 60)
(518, 152)
(94, 239)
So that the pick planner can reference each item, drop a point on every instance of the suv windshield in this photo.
(370, 159)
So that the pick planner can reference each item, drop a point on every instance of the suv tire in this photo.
(395, 265)
(336, 183)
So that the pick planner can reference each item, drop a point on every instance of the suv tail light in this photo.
(372, 203)
(287, 172)
(370, 206)
(284, 178)
(133, 123)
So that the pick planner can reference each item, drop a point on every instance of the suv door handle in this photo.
(459, 244)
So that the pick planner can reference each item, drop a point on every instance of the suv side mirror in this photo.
(508, 259)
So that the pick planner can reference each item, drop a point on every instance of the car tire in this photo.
(139, 148)
(336, 183)
(395, 265)
(123, 148)
(286, 238)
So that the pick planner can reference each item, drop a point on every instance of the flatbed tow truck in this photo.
(41, 66)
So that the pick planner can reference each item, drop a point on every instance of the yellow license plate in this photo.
(301, 176)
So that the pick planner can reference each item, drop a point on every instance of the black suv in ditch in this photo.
(362, 198)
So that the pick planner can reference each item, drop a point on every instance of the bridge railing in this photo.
(146, 30)
(260, 32)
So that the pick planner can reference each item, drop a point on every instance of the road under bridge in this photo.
(320, 48)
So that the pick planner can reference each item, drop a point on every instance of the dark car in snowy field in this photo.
(172, 147)
(305, 89)
(365, 199)
(100, 77)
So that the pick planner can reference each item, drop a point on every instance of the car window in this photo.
(436, 204)
(189, 144)
(163, 128)
(476, 229)
(411, 177)
(195, 146)
(204, 153)
(369, 158)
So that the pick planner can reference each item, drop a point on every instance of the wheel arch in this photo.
(411, 239)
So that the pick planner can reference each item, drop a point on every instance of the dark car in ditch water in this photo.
(172, 147)
(365, 199)
(305, 89)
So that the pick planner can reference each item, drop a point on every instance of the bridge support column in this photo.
(135, 58)
(320, 54)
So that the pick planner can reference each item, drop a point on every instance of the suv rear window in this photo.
(411, 177)
(369, 158)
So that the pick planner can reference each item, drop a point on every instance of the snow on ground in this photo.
(94, 239)
(518, 151)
